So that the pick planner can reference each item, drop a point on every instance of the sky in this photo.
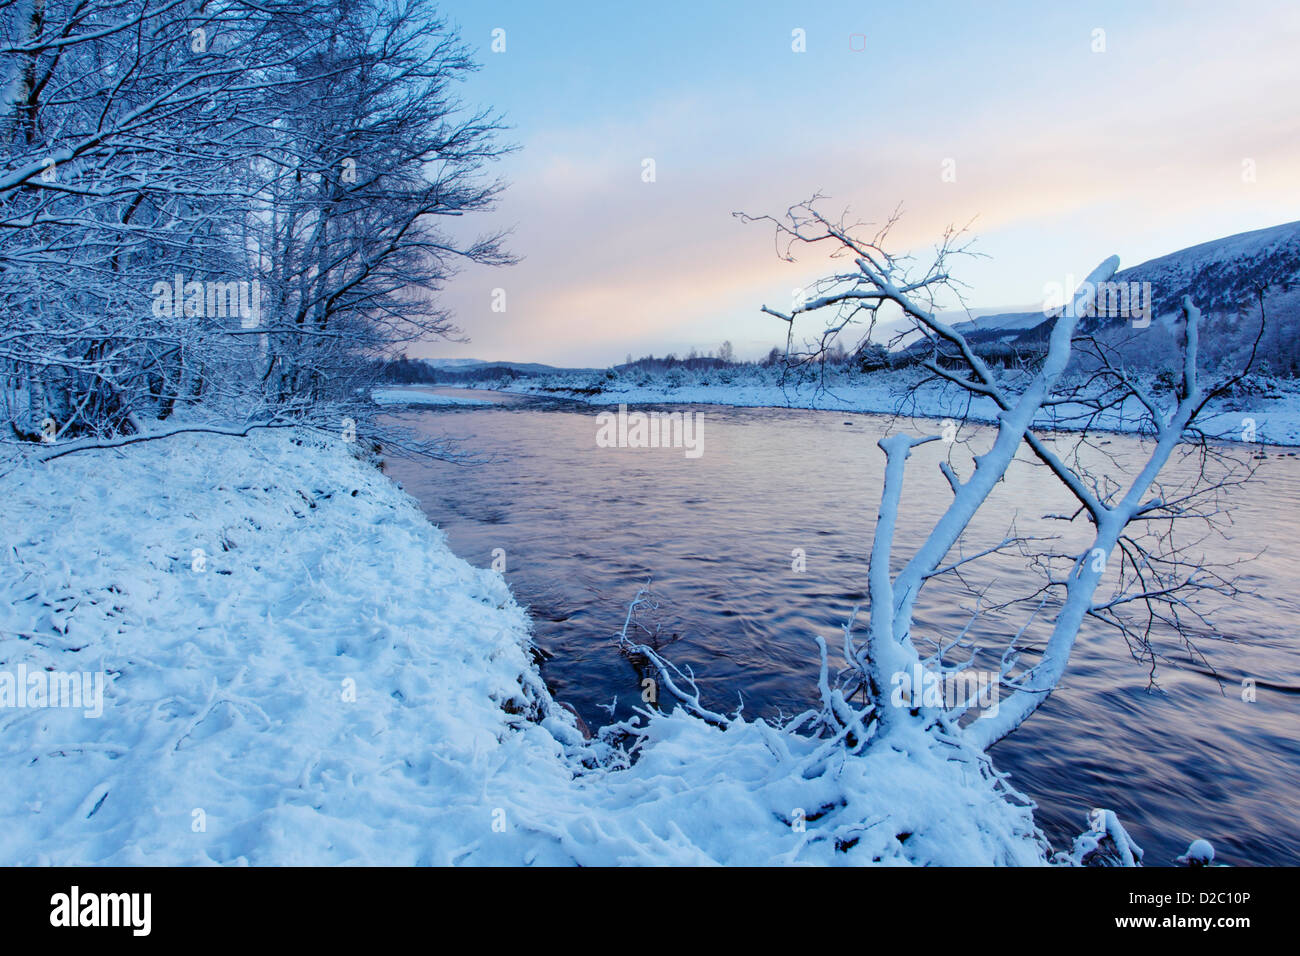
(1067, 133)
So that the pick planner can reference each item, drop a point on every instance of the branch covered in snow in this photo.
(1152, 572)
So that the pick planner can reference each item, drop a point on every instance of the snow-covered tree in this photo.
(372, 157)
(1122, 533)
(232, 207)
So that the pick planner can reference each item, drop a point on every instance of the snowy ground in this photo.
(1273, 405)
(300, 672)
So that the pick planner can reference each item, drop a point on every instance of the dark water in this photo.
(583, 527)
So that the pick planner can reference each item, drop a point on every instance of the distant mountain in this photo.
(1000, 325)
(453, 362)
(477, 368)
(1222, 276)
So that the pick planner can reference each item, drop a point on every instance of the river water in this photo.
(761, 542)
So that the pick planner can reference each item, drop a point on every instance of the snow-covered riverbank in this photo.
(299, 671)
(1265, 410)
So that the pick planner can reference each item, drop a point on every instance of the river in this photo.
(760, 543)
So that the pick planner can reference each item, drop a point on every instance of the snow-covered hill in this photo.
(1221, 276)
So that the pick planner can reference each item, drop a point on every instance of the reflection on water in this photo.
(583, 527)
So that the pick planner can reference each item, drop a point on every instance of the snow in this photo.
(1199, 853)
(301, 672)
(1275, 410)
(226, 691)
(1106, 843)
